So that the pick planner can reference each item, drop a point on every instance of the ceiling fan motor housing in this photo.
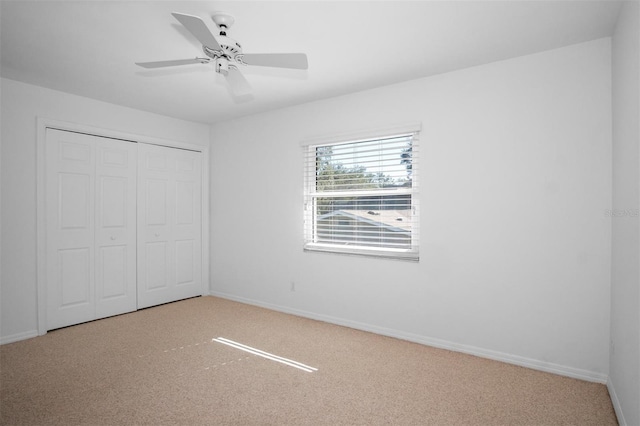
(230, 48)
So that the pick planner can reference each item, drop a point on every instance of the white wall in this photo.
(21, 104)
(624, 382)
(515, 180)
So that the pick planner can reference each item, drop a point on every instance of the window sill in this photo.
(406, 255)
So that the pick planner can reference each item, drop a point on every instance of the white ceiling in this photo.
(88, 48)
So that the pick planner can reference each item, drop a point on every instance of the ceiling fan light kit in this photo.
(226, 53)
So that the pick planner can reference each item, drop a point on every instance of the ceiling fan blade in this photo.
(199, 29)
(160, 64)
(239, 85)
(278, 60)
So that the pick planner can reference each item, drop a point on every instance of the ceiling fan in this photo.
(226, 53)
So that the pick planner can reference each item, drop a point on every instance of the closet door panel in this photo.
(155, 255)
(157, 193)
(188, 224)
(70, 201)
(169, 239)
(112, 272)
(75, 202)
(116, 238)
(74, 278)
(156, 270)
(185, 262)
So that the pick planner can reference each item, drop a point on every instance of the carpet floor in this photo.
(174, 365)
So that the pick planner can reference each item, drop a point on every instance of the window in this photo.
(361, 196)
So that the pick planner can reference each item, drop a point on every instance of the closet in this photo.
(123, 226)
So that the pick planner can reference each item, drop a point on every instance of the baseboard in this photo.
(534, 364)
(17, 337)
(616, 403)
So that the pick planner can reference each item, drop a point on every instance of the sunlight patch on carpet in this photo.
(264, 354)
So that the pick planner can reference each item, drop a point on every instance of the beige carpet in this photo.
(161, 366)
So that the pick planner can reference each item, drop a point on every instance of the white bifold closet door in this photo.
(169, 224)
(90, 227)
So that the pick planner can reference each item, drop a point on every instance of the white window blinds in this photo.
(361, 196)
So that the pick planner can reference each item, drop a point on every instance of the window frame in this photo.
(310, 243)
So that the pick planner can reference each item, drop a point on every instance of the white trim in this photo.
(386, 253)
(42, 124)
(354, 136)
(533, 364)
(17, 337)
(616, 403)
